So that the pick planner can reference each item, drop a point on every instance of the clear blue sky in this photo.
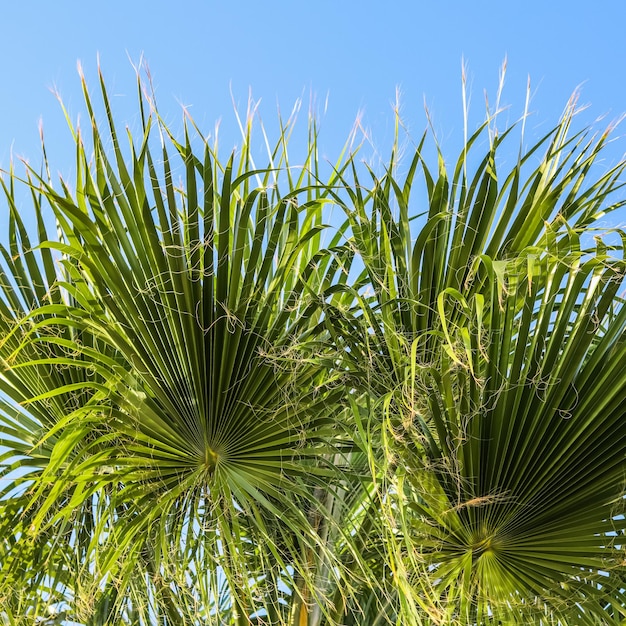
(357, 53)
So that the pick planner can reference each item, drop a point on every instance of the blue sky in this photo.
(354, 53)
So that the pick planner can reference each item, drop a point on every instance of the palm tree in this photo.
(219, 409)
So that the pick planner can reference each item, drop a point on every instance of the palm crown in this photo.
(217, 408)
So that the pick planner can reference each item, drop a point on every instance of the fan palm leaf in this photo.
(495, 389)
(200, 431)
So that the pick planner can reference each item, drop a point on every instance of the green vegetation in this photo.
(313, 395)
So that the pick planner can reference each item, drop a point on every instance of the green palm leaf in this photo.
(198, 416)
(496, 341)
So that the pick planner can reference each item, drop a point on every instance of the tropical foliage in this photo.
(313, 395)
